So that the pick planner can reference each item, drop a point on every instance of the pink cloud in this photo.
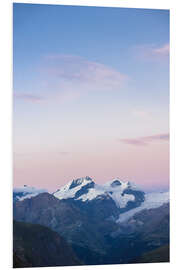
(63, 153)
(29, 97)
(144, 141)
(141, 114)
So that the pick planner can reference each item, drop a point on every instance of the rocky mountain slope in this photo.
(146, 231)
(111, 223)
(157, 255)
(73, 223)
(36, 246)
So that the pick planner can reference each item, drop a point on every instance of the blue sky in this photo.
(86, 80)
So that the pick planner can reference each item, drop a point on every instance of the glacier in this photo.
(152, 200)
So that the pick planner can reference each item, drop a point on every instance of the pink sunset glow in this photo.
(147, 166)
(91, 98)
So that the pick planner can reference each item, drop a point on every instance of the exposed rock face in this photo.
(75, 224)
(111, 223)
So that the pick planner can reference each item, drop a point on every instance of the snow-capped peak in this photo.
(84, 189)
(116, 183)
(26, 192)
(70, 189)
(80, 181)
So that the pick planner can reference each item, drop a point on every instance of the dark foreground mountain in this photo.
(158, 255)
(104, 224)
(36, 246)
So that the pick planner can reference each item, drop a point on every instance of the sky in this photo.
(91, 95)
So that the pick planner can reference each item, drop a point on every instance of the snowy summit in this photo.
(85, 189)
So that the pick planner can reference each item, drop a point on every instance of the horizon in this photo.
(91, 95)
(51, 190)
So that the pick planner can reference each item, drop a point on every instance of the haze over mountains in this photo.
(111, 223)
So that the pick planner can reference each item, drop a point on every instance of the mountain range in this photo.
(111, 223)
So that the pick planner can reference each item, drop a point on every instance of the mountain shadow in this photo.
(36, 246)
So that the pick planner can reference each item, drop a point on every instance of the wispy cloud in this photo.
(82, 72)
(164, 50)
(29, 97)
(65, 78)
(153, 52)
(140, 113)
(63, 153)
(35, 153)
(144, 141)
